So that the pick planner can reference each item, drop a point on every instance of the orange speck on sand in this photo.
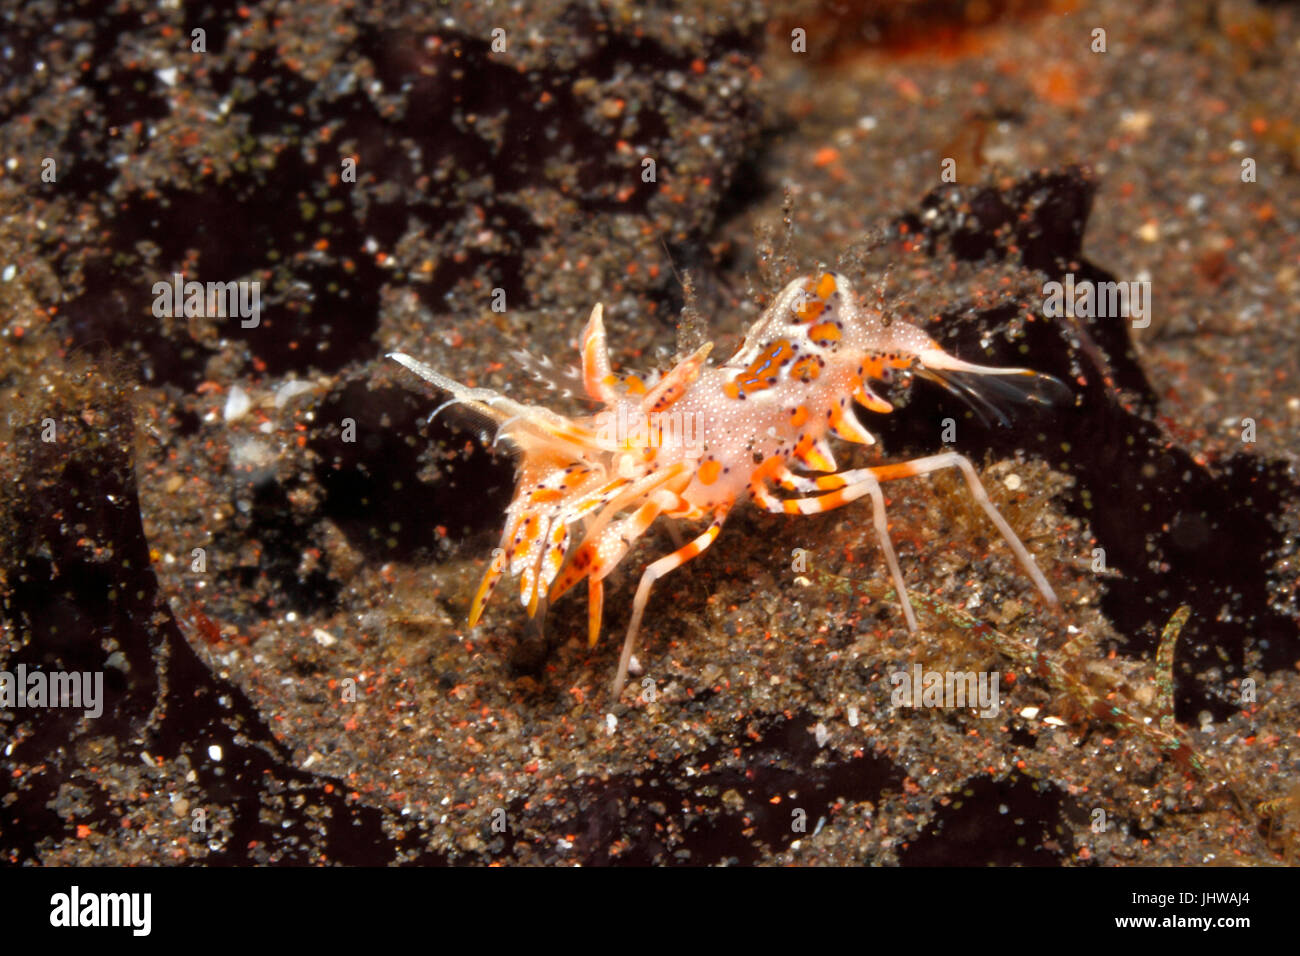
(1259, 125)
(825, 156)
(1057, 85)
(83, 831)
(907, 89)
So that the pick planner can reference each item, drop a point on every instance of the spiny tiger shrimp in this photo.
(692, 443)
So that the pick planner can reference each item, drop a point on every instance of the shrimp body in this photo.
(698, 440)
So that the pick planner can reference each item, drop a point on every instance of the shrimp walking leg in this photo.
(652, 574)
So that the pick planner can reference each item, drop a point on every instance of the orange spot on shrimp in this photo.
(529, 532)
(762, 372)
(799, 416)
(575, 571)
(815, 455)
(824, 332)
(595, 609)
(826, 286)
(807, 369)
(865, 396)
(809, 310)
(846, 426)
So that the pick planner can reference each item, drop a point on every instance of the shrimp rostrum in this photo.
(691, 444)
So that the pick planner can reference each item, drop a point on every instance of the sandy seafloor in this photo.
(229, 734)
